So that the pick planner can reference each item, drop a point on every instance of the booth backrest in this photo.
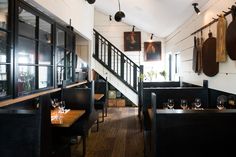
(161, 84)
(176, 93)
(26, 133)
(80, 98)
(101, 87)
(194, 133)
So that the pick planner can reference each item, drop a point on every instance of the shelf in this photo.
(20, 99)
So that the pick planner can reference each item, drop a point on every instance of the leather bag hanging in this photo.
(209, 64)
(231, 35)
(194, 66)
(221, 54)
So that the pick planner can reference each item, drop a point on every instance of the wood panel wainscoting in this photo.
(31, 96)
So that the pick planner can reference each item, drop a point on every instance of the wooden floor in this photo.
(118, 136)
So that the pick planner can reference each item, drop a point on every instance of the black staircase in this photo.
(116, 62)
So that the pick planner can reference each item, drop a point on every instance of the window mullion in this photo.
(37, 54)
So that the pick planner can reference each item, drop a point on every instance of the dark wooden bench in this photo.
(195, 133)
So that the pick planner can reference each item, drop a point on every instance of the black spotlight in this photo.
(119, 14)
(91, 1)
(195, 8)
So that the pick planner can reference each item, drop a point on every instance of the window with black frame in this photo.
(34, 53)
(69, 57)
(60, 55)
(64, 55)
(5, 50)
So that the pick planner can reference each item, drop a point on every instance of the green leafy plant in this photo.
(164, 74)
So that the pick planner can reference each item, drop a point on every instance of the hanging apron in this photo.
(221, 54)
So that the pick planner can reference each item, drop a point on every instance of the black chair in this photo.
(101, 87)
(81, 99)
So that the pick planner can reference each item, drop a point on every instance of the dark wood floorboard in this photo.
(119, 136)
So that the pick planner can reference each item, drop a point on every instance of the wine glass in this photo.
(220, 105)
(184, 104)
(197, 103)
(165, 105)
(55, 103)
(62, 106)
(221, 101)
(171, 103)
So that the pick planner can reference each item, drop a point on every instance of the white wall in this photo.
(114, 32)
(181, 42)
(79, 11)
(113, 80)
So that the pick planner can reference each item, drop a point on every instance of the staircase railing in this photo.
(117, 62)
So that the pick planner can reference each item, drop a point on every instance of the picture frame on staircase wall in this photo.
(132, 41)
(152, 51)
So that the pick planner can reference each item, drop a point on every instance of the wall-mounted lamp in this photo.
(196, 8)
(120, 14)
(91, 1)
(133, 28)
(151, 37)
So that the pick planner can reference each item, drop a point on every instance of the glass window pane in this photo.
(3, 88)
(45, 54)
(27, 23)
(69, 42)
(45, 77)
(60, 74)
(3, 47)
(26, 51)
(60, 56)
(60, 38)
(3, 13)
(44, 31)
(4, 80)
(69, 58)
(25, 79)
(69, 74)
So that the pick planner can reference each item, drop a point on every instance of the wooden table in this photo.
(98, 96)
(67, 119)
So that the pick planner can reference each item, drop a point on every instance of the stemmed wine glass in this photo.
(171, 103)
(62, 106)
(184, 104)
(197, 103)
(221, 101)
(55, 103)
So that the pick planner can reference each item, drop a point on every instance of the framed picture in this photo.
(132, 41)
(152, 51)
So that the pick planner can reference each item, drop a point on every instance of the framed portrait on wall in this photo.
(132, 41)
(152, 51)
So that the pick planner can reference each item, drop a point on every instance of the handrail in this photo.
(31, 96)
(114, 46)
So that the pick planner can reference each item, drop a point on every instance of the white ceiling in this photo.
(160, 17)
